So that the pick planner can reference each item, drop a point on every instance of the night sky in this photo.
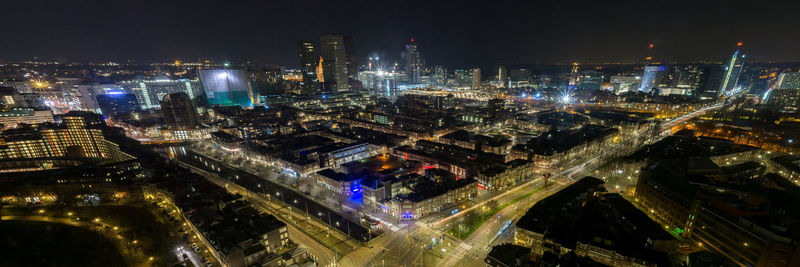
(454, 33)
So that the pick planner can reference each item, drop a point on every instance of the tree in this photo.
(492, 204)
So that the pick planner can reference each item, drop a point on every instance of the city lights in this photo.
(413, 145)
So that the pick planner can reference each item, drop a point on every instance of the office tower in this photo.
(308, 65)
(573, 76)
(117, 103)
(732, 70)
(502, 76)
(179, 112)
(226, 87)
(476, 78)
(350, 56)
(622, 84)
(439, 76)
(786, 93)
(591, 80)
(149, 92)
(463, 78)
(412, 62)
(334, 63)
(682, 80)
(651, 77)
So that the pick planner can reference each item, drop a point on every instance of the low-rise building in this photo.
(557, 147)
(583, 218)
(426, 196)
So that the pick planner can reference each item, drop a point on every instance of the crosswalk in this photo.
(464, 247)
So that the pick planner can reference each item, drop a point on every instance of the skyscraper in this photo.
(308, 65)
(651, 77)
(350, 56)
(334, 63)
(226, 87)
(412, 62)
(573, 76)
(732, 70)
(476, 78)
(502, 76)
(463, 78)
(179, 112)
(439, 76)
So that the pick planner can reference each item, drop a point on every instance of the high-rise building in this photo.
(149, 92)
(334, 63)
(651, 77)
(502, 76)
(733, 67)
(226, 87)
(476, 78)
(786, 93)
(412, 62)
(118, 103)
(591, 80)
(682, 80)
(463, 78)
(439, 76)
(308, 65)
(573, 76)
(350, 56)
(179, 112)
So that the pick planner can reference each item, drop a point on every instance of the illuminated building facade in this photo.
(786, 93)
(308, 65)
(10, 117)
(413, 63)
(502, 76)
(622, 84)
(118, 104)
(150, 92)
(439, 76)
(651, 77)
(733, 67)
(226, 87)
(382, 83)
(79, 136)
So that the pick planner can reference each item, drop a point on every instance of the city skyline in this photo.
(324, 134)
(446, 33)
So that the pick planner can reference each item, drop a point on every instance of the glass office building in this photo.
(226, 87)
